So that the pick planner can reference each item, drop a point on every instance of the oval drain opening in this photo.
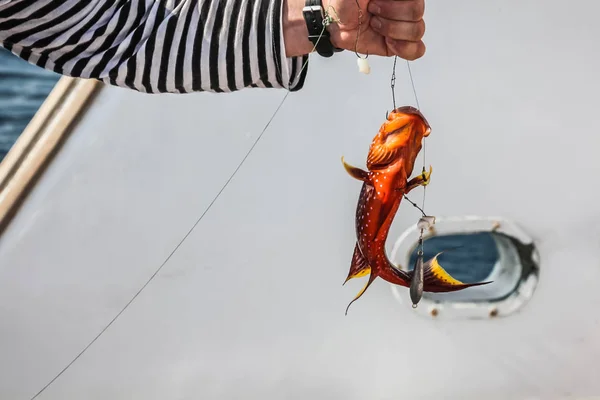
(474, 249)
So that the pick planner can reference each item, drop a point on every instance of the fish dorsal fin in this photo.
(359, 266)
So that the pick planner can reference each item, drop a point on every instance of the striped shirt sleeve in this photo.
(156, 46)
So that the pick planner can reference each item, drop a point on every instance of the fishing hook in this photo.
(360, 15)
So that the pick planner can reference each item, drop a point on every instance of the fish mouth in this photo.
(410, 110)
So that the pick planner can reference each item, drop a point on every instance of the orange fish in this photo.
(390, 162)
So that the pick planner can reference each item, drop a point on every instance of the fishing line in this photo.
(412, 81)
(413, 85)
(393, 87)
(416, 206)
(360, 15)
(172, 253)
(416, 286)
(393, 83)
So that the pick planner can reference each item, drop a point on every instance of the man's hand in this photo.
(387, 27)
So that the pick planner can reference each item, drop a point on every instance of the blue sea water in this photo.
(467, 257)
(23, 89)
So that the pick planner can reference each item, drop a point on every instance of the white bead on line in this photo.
(363, 65)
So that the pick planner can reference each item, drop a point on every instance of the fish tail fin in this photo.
(436, 279)
(359, 266)
(372, 277)
(359, 274)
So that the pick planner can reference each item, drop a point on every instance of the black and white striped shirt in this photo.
(155, 46)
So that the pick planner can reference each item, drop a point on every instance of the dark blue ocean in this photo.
(23, 89)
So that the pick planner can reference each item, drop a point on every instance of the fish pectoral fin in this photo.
(421, 180)
(355, 172)
(359, 266)
(362, 291)
(436, 279)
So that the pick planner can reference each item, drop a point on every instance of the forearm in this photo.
(196, 45)
(294, 28)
